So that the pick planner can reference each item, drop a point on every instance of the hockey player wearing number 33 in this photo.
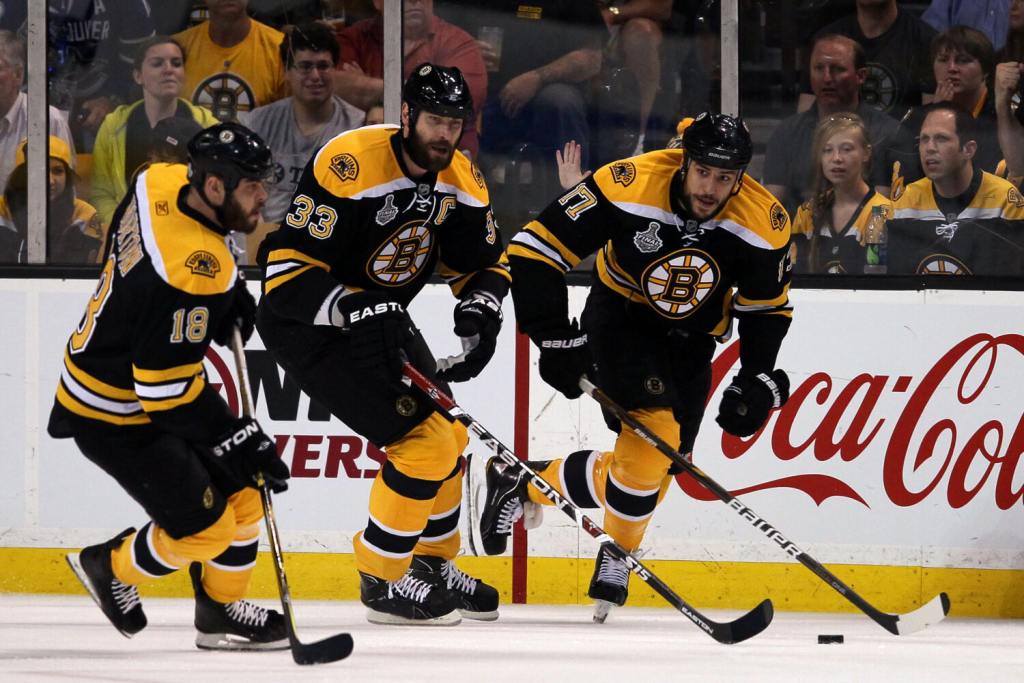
(134, 396)
(685, 244)
(376, 211)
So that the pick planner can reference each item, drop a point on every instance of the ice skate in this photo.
(239, 625)
(119, 602)
(609, 585)
(476, 599)
(418, 598)
(502, 500)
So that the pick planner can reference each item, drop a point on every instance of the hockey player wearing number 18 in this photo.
(134, 396)
(686, 242)
(375, 212)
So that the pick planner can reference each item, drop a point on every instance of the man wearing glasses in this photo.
(296, 126)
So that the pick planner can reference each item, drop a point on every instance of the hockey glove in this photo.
(241, 312)
(477, 321)
(245, 450)
(748, 400)
(378, 328)
(564, 358)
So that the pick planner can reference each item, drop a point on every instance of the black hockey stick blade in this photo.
(324, 651)
(933, 611)
(747, 626)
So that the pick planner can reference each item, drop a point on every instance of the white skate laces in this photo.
(126, 596)
(612, 571)
(457, 579)
(245, 612)
(510, 513)
(410, 587)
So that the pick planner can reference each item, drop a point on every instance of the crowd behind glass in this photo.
(889, 131)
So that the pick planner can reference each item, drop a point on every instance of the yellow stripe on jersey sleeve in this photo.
(166, 375)
(155, 402)
(536, 241)
(524, 252)
(79, 408)
(94, 385)
(272, 283)
(284, 265)
(284, 255)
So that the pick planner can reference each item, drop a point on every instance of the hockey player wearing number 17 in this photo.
(375, 212)
(134, 396)
(686, 243)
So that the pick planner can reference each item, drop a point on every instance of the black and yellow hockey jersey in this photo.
(682, 269)
(357, 222)
(979, 233)
(834, 250)
(136, 357)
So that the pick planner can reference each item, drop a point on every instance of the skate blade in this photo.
(453, 618)
(476, 490)
(75, 562)
(231, 642)
(601, 610)
(479, 616)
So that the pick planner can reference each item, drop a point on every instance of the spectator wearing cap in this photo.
(295, 127)
(125, 139)
(14, 106)
(73, 231)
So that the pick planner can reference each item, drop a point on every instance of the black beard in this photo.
(233, 217)
(418, 151)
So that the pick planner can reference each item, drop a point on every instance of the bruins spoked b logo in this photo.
(402, 256)
(225, 94)
(677, 284)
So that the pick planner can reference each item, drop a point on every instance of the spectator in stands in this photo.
(895, 44)
(636, 41)
(958, 219)
(91, 46)
(297, 126)
(838, 71)
(427, 38)
(1007, 85)
(962, 61)
(828, 232)
(549, 50)
(374, 115)
(14, 104)
(1013, 49)
(74, 231)
(126, 137)
(988, 16)
(232, 61)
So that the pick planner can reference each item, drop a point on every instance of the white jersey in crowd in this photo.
(275, 123)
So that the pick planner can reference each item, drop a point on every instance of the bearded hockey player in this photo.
(377, 210)
(685, 243)
(134, 396)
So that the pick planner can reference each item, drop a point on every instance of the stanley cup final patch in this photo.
(648, 242)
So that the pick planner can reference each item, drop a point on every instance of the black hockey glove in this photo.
(748, 400)
(241, 312)
(564, 358)
(379, 329)
(245, 450)
(477, 321)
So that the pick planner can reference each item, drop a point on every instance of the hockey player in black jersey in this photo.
(376, 211)
(134, 397)
(686, 243)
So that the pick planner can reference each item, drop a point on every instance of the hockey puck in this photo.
(830, 639)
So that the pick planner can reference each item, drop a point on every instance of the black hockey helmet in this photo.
(231, 152)
(441, 90)
(718, 140)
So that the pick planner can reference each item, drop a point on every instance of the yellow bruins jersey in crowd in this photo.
(357, 222)
(136, 357)
(834, 250)
(979, 233)
(227, 80)
(652, 255)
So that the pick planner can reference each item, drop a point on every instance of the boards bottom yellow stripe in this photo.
(706, 585)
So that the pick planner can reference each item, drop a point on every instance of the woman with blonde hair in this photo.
(828, 233)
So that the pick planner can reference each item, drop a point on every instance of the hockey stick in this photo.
(897, 624)
(747, 626)
(329, 649)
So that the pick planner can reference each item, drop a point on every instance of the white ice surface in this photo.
(61, 638)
